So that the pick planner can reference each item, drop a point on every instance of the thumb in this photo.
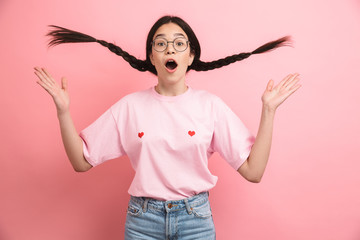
(270, 85)
(64, 84)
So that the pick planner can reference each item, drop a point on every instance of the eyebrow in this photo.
(175, 35)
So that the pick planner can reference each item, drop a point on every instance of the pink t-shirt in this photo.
(168, 141)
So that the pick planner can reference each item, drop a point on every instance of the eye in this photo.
(180, 42)
(159, 42)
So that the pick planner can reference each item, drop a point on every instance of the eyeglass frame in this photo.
(167, 44)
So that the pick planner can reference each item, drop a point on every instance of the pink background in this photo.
(311, 187)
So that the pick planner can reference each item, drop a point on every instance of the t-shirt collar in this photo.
(170, 98)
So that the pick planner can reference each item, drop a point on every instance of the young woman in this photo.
(168, 132)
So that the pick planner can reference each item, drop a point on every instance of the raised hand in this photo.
(72, 142)
(274, 96)
(59, 93)
(254, 167)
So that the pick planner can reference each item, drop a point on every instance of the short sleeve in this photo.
(101, 140)
(231, 139)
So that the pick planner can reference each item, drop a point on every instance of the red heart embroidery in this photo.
(191, 133)
(141, 134)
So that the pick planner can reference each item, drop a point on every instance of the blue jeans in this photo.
(189, 218)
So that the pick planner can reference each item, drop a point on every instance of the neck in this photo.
(171, 89)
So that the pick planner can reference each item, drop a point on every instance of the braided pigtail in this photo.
(63, 35)
(199, 65)
(140, 65)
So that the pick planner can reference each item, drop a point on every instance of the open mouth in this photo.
(170, 64)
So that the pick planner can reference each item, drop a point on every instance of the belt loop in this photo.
(145, 205)
(187, 205)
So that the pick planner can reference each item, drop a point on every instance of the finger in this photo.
(293, 90)
(281, 84)
(292, 83)
(38, 71)
(270, 85)
(41, 74)
(290, 80)
(48, 75)
(46, 87)
(64, 84)
(43, 79)
(42, 84)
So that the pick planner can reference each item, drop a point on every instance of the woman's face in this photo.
(171, 64)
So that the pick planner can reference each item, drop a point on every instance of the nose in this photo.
(170, 48)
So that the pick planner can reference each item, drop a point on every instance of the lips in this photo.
(171, 65)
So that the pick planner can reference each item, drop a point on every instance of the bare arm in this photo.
(71, 140)
(254, 167)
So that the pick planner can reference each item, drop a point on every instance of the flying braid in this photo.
(62, 35)
(199, 65)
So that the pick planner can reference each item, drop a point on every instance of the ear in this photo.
(191, 58)
(151, 59)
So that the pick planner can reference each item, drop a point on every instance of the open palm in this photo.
(274, 96)
(59, 93)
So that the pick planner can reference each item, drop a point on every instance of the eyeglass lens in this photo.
(180, 44)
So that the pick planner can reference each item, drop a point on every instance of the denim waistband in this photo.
(171, 205)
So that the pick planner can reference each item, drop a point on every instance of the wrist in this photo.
(268, 109)
(62, 113)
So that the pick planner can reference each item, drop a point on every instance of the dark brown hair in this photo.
(62, 35)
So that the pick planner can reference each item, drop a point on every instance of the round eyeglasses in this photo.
(180, 44)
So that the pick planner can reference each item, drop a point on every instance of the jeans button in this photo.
(170, 205)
